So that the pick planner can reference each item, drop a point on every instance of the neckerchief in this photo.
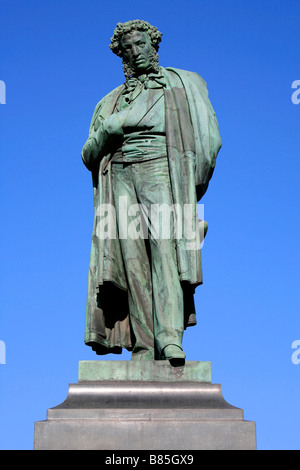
(135, 85)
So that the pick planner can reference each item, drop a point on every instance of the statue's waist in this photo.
(140, 147)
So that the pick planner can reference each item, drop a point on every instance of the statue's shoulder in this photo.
(105, 105)
(110, 97)
(191, 80)
(187, 77)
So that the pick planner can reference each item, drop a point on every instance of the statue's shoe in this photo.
(174, 355)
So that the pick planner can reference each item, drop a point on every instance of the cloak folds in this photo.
(193, 142)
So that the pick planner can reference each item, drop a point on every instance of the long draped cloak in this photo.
(193, 143)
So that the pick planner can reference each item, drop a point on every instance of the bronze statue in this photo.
(152, 145)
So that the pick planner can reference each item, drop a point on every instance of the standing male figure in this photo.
(153, 140)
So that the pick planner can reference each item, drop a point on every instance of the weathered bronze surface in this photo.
(152, 147)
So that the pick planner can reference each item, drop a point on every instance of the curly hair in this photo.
(134, 25)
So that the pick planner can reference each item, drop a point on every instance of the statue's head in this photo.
(136, 42)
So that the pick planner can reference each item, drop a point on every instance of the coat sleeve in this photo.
(96, 146)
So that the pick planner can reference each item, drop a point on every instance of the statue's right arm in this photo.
(91, 151)
(102, 130)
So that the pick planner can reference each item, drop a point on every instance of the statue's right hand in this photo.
(112, 125)
(99, 142)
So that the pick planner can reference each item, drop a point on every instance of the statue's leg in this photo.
(136, 264)
(167, 295)
(154, 191)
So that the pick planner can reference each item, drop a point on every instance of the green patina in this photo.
(143, 371)
(153, 140)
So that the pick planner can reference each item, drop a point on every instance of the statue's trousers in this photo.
(149, 254)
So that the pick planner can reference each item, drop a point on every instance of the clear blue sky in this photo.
(56, 65)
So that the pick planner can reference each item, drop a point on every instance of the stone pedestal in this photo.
(144, 405)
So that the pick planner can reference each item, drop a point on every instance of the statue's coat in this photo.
(193, 142)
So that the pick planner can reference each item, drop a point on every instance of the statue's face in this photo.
(136, 49)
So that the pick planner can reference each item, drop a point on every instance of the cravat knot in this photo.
(135, 85)
(151, 80)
